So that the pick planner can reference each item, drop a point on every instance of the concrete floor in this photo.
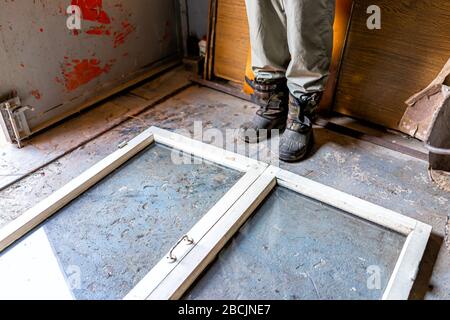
(368, 171)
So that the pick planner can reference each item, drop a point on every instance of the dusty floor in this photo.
(133, 220)
(284, 252)
(371, 172)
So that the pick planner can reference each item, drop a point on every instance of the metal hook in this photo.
(189, 241)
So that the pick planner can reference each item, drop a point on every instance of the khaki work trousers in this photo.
(292, 39)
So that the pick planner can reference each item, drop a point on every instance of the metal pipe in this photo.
(439, 151)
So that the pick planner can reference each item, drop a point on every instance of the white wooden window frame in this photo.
(189, 269)
(252, 169)
(171, 279)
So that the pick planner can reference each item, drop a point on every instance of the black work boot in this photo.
(297, 139)
(272, 96)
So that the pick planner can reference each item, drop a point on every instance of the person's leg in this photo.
(268, 38)
(270, 59)
(310, 39)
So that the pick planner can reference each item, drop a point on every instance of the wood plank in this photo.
(355, 206)
(407, 268)
(381, 69)
(205, 151)
(232, 40)
(211, 36)
(423, 110)
(341, 26)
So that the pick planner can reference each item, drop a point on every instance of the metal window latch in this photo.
(13, 119)
(188, 241)
(122, 144)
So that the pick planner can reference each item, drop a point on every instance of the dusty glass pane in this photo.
(298, 248)
(116, 232)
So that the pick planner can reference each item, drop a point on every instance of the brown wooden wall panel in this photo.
(341, 23)
(232, 40)
(381, 69)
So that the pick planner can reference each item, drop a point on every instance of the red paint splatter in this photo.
(120, 37)
(99, 31)
(41, 29)
(79, 72)
(92, 10)
(36, 94)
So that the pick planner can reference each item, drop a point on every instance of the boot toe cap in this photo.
(294, 146)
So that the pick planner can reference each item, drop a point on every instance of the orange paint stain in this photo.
(80, 72)
(36, 94)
